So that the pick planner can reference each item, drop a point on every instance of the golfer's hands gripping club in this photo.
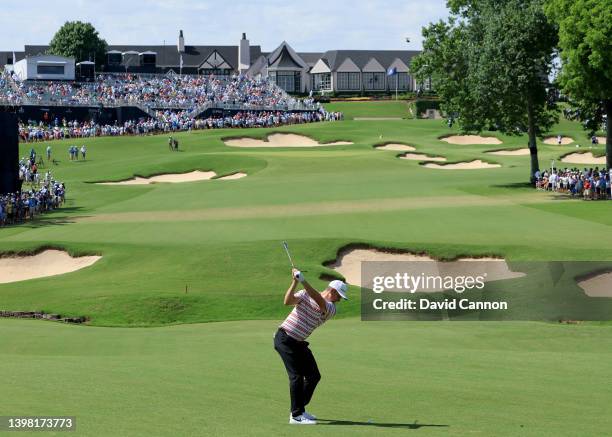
(297, 275)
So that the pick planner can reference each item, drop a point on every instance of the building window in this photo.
(298, 82)
(374, 81)
(114, 58)
(290, 81)
(403, 85)
(148, 59)
(321, 81)
(50, 69)
(286, 81)
(349, 81)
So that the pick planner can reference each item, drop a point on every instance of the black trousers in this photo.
(301, 367)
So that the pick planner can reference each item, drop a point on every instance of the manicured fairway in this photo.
(367, 109)
(221, 239)
(176, 255)
(224, 379)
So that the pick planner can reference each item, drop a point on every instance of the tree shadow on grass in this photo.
(414, 425)
(515, 185)
(44, 219)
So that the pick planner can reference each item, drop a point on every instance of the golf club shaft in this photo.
(288, 254)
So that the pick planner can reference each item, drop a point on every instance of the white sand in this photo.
(394, 146)
(583, 158)
(232, 177)
(516, 152)
(477, 164)
(422, 157)
(47, 263)
(553, 140)
(349, 262)
(281, 140)
(193, 176)
(601, 140)
(598, 286)
(470, 139)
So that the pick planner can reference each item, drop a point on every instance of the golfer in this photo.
(311, 310)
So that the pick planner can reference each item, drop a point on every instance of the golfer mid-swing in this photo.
(311, 310)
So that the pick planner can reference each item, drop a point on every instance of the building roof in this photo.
(310, 58)
(335, 58)
(168, 55)
(284, 60)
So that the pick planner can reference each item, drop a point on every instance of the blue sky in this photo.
(317, 26)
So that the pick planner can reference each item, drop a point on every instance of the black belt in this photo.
(303, 342)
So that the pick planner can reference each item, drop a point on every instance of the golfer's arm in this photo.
(289, 297)
(316, 296)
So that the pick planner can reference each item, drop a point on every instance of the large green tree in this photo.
(490, 63)
(585, 46)
(80, 41)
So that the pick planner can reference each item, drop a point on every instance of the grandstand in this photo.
(147, 98)
(153, 91)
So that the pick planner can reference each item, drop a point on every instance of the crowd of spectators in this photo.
(588, 183)
(41, 196)
(166, 121)
(153, 91)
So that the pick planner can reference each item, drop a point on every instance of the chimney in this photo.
(244, 55)
(181, 43)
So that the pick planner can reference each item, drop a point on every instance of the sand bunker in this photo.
(168, 178)
(47, 263)
(281, 140)
(601, 140)
(597, 286)
(422, 157)
(470, 139)
(230, 177)
(463, 165)
(348, 264)
(554, 141)
(583, 158)
(396, 147)
(515, 152)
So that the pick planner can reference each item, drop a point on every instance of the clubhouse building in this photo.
(339, 71)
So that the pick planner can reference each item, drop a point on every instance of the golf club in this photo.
(286, 246)
(288, 254)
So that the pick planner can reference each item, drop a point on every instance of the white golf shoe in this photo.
(301, 420)
(309, 416)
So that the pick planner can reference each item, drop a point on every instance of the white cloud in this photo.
(315, 25)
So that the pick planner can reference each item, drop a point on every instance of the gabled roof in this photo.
(284, 60)
(215, 60)
(257, 67)
(285, 57)
(335, 58)
(310, 58)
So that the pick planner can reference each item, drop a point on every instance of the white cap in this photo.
(340, 287)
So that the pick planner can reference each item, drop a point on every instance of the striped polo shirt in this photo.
(306, 316)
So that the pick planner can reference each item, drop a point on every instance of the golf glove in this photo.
(299, 276)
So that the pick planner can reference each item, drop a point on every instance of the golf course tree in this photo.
(585, 46)
(80, 41)
(490, 64)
